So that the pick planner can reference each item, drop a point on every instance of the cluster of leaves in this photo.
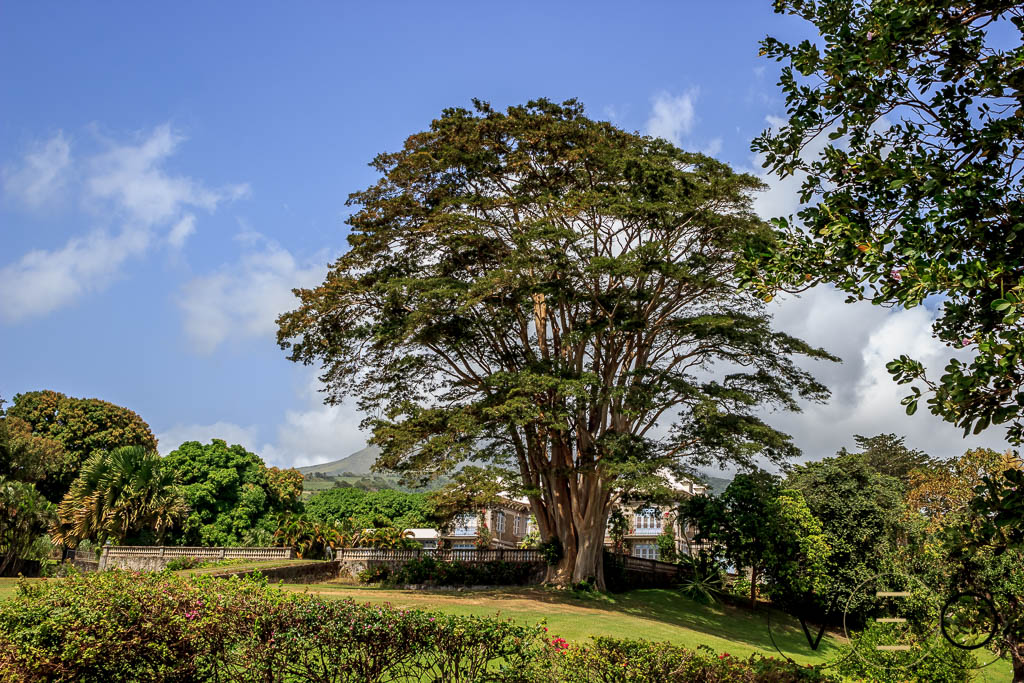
(431, 571)
(640, 661)
(74, 429)
(918, 188)
(25, 513)
(123, 626)
(943, 662)
(128, 494)
(863, 517)
(370, 509)
(702, 578)
(311, 539)
(230, 493)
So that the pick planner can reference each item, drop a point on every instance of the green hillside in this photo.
(359, 462)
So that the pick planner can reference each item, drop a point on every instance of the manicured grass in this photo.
(243, 566)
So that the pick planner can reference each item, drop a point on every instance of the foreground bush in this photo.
(608, 660)
(126, 626)
(943, 663)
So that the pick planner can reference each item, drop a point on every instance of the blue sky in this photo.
(167, 177)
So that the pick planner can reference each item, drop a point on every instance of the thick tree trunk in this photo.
(580, 534)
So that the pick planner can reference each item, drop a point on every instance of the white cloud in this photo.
(43, 281)
(247, 437)
(244, 299)
(126, 181)
(672, 117)
(131, 176)
(181, 231)
(41, 176)
(319, 433)
(865, 400)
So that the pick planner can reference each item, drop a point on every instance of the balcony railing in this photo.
(464, 531)
(648, 531)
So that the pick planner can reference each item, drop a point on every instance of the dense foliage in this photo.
(25, 514)
(863, 516)
(370, 509)
(758, 525)
(917, 190)
(231, 494)
(82, 427)
(559, 282)
(125, 495)
(637, 661)
(944, 663)
(122, 626)
(431, 571)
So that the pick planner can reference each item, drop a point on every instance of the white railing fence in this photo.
(498, 555)
(216, 553)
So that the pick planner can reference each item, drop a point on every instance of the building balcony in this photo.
(647, 531)
(464, 531)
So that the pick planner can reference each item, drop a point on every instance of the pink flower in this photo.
(966, 341)
(895, 275)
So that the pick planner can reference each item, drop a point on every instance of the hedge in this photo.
(128, 626)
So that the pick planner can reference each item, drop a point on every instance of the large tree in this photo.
(863, 516)
(542, 290)
(231, 493)
(82, 427)
(916, 194)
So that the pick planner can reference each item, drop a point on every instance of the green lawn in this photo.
(9, 586)
(242, 566)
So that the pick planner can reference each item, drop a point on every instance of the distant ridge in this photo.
(357, 463)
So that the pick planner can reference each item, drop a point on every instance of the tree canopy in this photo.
(81, 426)
(547, 292)
(863, 516)
(230, 493)
(371, 509)
(916, 193)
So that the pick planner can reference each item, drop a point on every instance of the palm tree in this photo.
(119, 493)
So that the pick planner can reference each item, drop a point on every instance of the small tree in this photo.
(119, 494)
(769, 530)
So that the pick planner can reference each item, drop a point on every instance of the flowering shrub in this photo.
(376, 574)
